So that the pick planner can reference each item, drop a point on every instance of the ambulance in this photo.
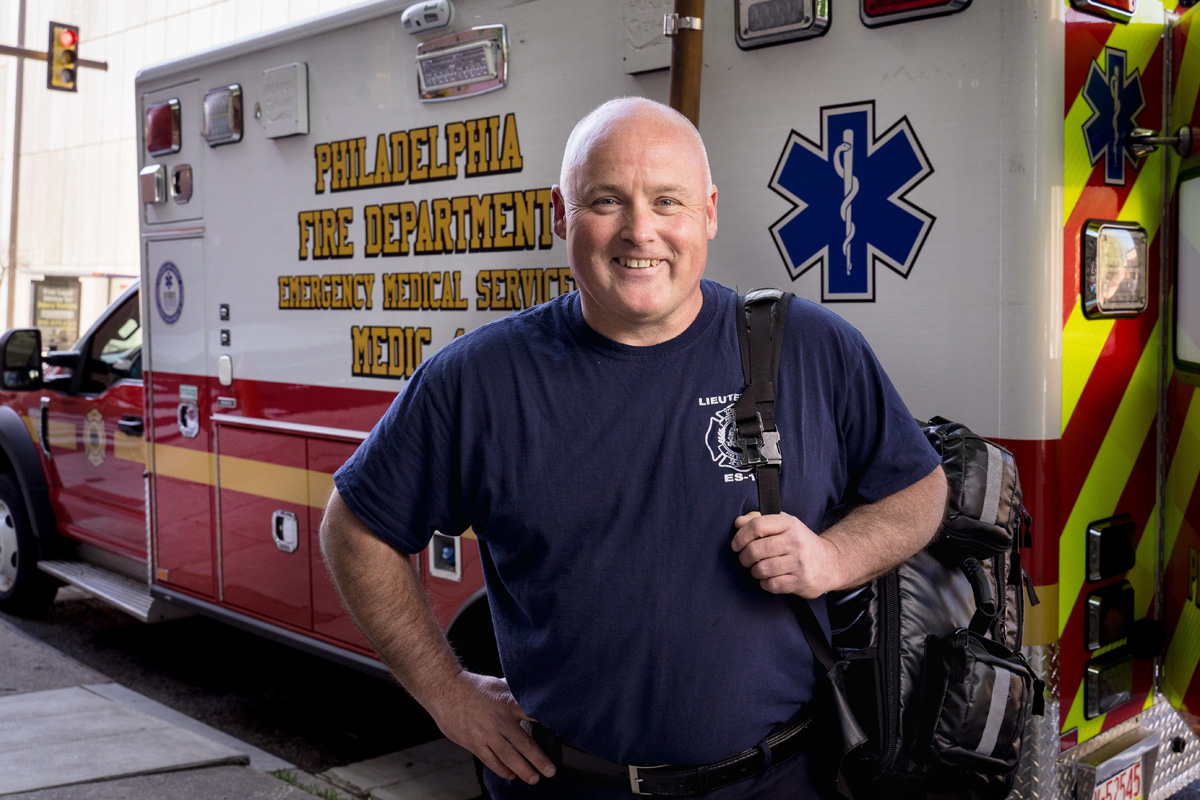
(1003, 195)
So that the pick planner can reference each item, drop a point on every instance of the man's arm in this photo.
(383, 594)
(788, 558)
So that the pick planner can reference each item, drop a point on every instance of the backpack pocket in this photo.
(977, 697)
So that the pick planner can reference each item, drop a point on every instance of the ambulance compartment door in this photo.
(181, 463)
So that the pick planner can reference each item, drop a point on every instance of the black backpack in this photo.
(925, 678)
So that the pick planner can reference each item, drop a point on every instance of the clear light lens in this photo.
(458, 67)
(1121, 271)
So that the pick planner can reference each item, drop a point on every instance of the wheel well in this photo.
(18, 456)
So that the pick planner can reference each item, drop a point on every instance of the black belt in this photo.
(669, 780)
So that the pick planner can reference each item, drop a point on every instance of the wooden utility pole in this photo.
(686, 29)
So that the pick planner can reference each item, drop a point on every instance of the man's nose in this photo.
(639, 225)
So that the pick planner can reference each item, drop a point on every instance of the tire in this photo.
(24, 589)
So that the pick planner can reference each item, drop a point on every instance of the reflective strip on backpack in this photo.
(995, 480)
(1001, 689)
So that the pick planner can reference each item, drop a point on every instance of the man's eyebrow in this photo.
(612, 188)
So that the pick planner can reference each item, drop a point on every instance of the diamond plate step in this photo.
(132, 597)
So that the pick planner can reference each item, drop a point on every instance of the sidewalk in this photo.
(69, 733)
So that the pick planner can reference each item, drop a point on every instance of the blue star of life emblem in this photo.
(1116, 98)
(849, 195)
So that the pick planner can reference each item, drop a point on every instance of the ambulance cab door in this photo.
(91, 429)
(1181, 450)
(182, 466)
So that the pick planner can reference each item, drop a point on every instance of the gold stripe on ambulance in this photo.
(304, 487)
(129, 448)
(59, 433)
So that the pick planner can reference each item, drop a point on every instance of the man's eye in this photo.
(668, 201)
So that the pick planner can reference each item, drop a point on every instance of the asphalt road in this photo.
(302, 708)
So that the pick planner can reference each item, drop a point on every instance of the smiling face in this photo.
(637, 211)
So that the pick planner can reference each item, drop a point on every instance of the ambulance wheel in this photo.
(24, 589)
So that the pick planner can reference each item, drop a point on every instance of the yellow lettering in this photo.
(456, 140)
(510, 160)
(420, 167)
(345, 247)
(322, 154)
(399, 156)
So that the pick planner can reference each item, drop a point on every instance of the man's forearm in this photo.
(873, 538)
(383, 594)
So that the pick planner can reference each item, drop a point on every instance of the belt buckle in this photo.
(635, 781)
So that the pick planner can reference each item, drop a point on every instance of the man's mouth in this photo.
(638, 263)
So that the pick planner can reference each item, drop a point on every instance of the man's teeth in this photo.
(637, 263)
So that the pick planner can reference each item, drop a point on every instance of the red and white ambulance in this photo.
(1000, 194)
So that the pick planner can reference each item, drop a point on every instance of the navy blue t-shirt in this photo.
(600, 482)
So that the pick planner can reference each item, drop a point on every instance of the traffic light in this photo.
(62, 57)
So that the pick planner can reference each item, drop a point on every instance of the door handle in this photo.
(131, 426)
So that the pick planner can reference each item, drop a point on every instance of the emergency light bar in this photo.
(763, 22)
(463, 64)
(875, 13)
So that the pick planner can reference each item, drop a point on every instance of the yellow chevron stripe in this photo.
(1083, 341)
(1074, 719)
(1183, 651)
(1109, 473)
(1041, 621)
(1138, 39)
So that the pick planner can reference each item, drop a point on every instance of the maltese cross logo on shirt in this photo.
(850, 211)
(1116, 98)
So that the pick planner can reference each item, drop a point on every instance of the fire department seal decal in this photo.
(93, 436)
(168, 293)
(722, 438)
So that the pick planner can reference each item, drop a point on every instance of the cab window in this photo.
(115, 352)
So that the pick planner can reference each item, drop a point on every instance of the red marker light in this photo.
(68, 37)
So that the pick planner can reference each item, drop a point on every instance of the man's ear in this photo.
(560, 212)
(711, 210)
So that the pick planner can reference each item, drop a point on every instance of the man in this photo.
(636, 595)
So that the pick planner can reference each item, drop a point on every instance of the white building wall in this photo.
(77, 197)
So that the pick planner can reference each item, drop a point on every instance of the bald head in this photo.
(603, 119)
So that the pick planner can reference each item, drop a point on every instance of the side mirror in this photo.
(21, 359)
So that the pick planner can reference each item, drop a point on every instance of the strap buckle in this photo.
(761, 449)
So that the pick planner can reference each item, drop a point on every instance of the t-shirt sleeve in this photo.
(886, 450)
(403, 481)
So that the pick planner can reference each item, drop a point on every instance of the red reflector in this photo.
(162, 128)
(1118, 10)
(884, 12)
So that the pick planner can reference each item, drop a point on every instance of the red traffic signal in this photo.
(62, 57)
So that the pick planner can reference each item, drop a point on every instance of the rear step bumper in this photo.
(132, 597)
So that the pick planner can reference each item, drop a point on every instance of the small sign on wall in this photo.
(55, 311)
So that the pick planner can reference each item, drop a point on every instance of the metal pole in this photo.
(687, 57)
(14, 202)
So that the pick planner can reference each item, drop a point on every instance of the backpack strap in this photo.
(761, 315)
